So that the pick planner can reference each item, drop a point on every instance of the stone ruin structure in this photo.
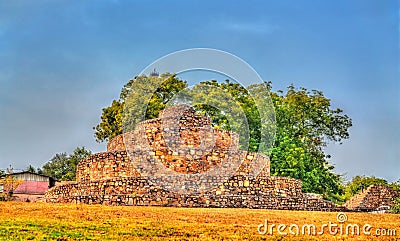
(183, 144)
(376, 197)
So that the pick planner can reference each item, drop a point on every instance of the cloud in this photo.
(250, 27)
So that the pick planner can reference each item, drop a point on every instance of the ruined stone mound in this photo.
(372, 198)
(181, 149)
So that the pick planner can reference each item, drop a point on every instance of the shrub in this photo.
(396, 206)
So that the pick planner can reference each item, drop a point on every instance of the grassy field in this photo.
(38, 221)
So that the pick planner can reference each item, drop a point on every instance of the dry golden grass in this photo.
(38, 221)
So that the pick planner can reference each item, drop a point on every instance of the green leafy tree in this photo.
(111, 122)
(396, 203)
(234, 98)
(396, 206)
(112, 117)
(78, 155)
(56, 167)
(395, 185)
(305, 124)
(63, 167)
(30, 168)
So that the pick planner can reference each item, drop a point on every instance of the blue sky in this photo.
(61, 62)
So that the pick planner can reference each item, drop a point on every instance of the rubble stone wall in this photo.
(105, 165)
(238, 191)
(177, 128)
(122, 164)
(150, 135)
(372, 198)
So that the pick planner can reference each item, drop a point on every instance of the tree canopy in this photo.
(305, 123)
(30, 168)
(112, 117)
(62, 166)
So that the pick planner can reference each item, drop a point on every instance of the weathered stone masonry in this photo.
(236, 192)
(183, 143)
(372, 198)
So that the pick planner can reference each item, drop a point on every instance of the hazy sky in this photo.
(61, 62)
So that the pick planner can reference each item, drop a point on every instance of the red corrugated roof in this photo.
(32, 187)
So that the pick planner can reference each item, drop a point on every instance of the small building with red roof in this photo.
(33, 186)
